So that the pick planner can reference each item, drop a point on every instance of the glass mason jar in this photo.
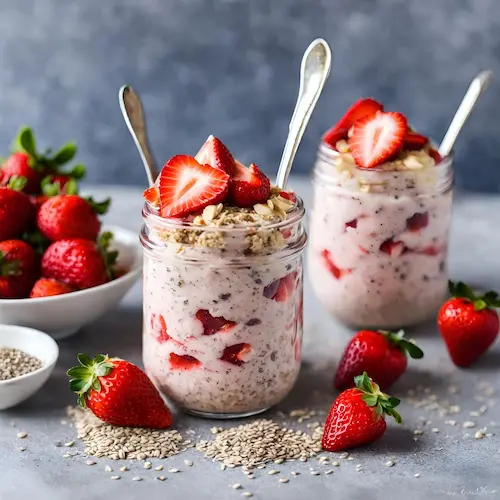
(222, 331)
(378, 240)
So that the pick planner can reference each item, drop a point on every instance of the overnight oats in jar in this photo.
(380, 221)
(222, 285)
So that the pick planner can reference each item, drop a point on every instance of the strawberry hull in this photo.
(233, 311)
(380, 272)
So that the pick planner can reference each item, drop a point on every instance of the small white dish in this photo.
(35, 343)
(63, 315)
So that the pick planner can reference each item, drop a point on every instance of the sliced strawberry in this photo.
(185, 186)
(235, 353)
(183, 362)
(431, 250)
(159, 327)
(362, 249)
(352, 223)
(288, 195)
(377, 137)
(282, 288)
(392, 248)
(334, 270)
(360, 109)
(249, 186)
(212, 324)
(417, 222)
(435, 155)
(152, 196)
(216, 154)
(414, 141)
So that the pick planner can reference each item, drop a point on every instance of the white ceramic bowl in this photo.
(63, 315)
(36, 343)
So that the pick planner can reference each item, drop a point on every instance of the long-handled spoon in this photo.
(476, 88)
(133, 114)
(314, 71)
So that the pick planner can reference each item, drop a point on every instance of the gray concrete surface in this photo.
(230, 68)
(451, 463)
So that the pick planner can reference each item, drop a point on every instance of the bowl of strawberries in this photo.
(59, 268)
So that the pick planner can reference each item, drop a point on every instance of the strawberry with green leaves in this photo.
(16, 211)
(382, 354)
(468, 323)
(118, 393)
(25, 161)
(357, 416)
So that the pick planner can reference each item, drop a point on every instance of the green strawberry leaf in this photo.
(71, 187)
(78, 171)
(9, 267)
(37, 240)
(17, 183)
(84, 359)
(489, 300)
(50, 188)
(65, 154)
(25, 141)
(99, 208)
(406, 346)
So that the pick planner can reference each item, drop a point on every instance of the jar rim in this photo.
(331, 154)
(293, 216)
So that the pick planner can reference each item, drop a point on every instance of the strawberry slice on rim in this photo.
(377, 137)
(360, 109)
(215, 153)
(248, 186)
(185, 186)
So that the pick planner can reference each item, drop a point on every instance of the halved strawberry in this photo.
(234, 354)
(152, 196)
(212, 324)
(377, 137)
(360, 109)
(336, 271)
(392, 248)
(183, 362)
(185, 186)
(248, 186)
(417, 221)
(414, 141)
(216, 154)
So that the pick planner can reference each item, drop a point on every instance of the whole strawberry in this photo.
(16, 211)
(25, 161)
(357, 416)
(80, 263)
(468, 323)
(118, 392)
(68, 216)
(248, 186)
(48, 287)
(19, 269)
(383, 355)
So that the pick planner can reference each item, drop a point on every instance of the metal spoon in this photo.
(314, 71)
(133, 114)
(476, 88)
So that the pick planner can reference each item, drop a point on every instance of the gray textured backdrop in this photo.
(231, 67)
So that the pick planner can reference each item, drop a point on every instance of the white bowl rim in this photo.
(45, 366)
(136, 269)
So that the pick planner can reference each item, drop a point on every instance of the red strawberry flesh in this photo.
(215, 153)
(212, 324)
(414, 141)
(234, 354)
(249, 186)
(183, 362)
(377, 137)
(417, 221)
(186, 187)
(335, 271)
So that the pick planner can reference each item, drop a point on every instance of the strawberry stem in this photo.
(109, 256)
(373, 396)
(85, 377)
(9, 267)
(489, 300)
(404, 345)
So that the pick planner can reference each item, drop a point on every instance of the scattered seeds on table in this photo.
(161, 478)
(283, 480)
(103, 440)
(137, 478)
(90, 462)
(148, 465)
(329, 471)
(157, 468)
(22, 435)
(335, 463)
(279, 461)
(236, 486)
(174, 470)
(389, 463)
(67, 455)
(247, 494)
(344, 454)
(435, 430)
(69, 444)
(469, 424)
(480, 434)
(418, 432)
(189, 463)
(222, 466)
(273, 472)
(108, 468)
(22, 448)
(15, 363)
(124, 468)
(115, 478)
(315, 473)
(294, 473)
(64, 422)
(416, 475)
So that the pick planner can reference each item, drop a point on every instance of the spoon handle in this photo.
(476, 88)
(314, 71)
(133, 114)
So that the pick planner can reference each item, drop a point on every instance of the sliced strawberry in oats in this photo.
(392, 248)
(212, 324)
(417, 221)
(431, 250)
(235, 354)
(414, 141)
(352, 223)
(183, 362)
(280, 289)
(335, 271)
(159, 327)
